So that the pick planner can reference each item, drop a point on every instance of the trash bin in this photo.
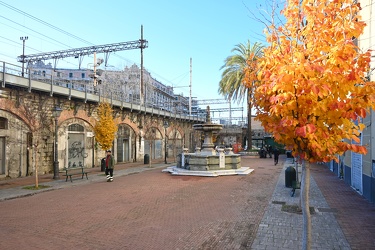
(289, 154)
(290, 176)
(102, 165)
(146, 159)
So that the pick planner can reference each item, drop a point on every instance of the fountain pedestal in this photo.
(207, 161)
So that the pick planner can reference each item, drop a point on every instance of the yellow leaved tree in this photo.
(105, 129)
(312, 91)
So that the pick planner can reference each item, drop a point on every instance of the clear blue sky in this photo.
(204, 30)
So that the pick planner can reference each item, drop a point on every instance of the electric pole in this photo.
(142, 87)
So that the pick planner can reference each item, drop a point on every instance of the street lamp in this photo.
(23, 39)
(165, 125)
(56, 114)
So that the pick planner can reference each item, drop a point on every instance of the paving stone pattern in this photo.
(283, 230)
(355, 215)
(147, 209)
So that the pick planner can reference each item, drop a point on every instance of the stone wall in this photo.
(29, 137)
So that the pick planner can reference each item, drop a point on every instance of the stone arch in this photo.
(175, 141)
(125, 143)
(81, 115)
(153, 145)
(9, 107)
(130, 123)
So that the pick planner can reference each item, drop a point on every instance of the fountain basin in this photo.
(210, 173)
(208, 161)
(208, 165)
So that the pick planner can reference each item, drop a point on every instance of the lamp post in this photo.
(165, 125)
(23, 39)
(56, 114)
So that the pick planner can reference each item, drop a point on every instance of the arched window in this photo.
(123, 131)
(3, 123)
(76, 128)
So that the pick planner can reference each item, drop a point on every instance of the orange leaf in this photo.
(311, 128)
(361, 112)
(301, 131)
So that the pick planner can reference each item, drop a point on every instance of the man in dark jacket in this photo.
(109, 166)
(276, 153)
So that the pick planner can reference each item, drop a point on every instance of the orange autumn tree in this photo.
(312, 92)
(105, 129)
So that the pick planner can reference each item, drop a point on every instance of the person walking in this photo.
(109, 166)
(276, 153)
(269, 151)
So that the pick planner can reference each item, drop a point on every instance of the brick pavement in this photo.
(154, 210)
(283, 230)
(30, 180)
(149, 210)
(355, 215)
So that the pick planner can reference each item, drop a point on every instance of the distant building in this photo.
(125, 84)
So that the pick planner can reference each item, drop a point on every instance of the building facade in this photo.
(358, 171)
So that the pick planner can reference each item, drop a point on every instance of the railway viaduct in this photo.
(34, 138)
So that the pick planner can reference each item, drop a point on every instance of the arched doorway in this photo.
(76, 146)
(153, 143)
(15, 156)
(174, 143)
(3, 126)
(125, 143)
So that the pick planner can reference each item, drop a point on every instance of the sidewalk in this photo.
(283, 230)
(355, 214)
(14, 188)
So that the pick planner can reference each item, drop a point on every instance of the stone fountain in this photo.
(208, 160)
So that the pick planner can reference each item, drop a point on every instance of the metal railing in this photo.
(83, 89)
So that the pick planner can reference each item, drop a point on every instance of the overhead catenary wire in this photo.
(50, 39)
(59, 30)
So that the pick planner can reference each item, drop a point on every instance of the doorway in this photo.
(2, 155)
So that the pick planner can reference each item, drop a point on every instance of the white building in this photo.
(358, 170)
(117, 84)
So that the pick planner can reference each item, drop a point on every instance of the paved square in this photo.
(148, 210)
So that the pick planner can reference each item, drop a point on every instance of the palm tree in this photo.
(232, 85)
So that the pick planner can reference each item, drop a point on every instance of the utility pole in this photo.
(23, 39)
(191, 79)
(230, 111)
(95, 69)
(142, 97)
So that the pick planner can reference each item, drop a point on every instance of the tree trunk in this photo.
(36, 166)
(305, 189)
(150, 154)
(249, 135)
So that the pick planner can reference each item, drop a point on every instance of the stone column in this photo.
(221, 157)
